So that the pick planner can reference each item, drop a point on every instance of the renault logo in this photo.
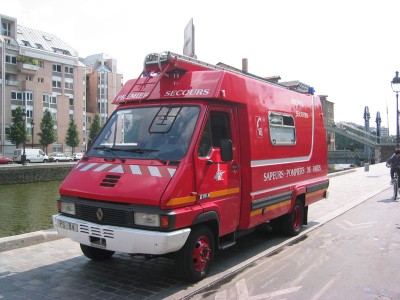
(99, 214)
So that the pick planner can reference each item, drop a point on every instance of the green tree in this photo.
(47, 132)
(95, 127)
(18, 132)
(72, 138)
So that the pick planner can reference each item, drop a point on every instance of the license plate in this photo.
(67, 225)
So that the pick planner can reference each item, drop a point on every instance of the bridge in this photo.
(361, 136)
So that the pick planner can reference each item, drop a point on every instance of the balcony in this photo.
(10, 82)
(26, 68)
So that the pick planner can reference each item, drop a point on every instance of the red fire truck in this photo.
(194, 156)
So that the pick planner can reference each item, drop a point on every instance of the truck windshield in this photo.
(157, 132)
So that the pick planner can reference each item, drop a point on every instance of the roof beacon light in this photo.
(153, 62)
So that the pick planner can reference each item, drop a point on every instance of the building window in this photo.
(6, 28)
(39, 46)
(40, 79)
(28, 96)
(57, 84)
(69, 70)
(28, 78)
(16, 95)
(71, 101)
(46, 98)
(57, 68)
(41, 64)
(69, 85)
(11, 59)
(26, 43)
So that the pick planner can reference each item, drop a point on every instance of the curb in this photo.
(28, 239)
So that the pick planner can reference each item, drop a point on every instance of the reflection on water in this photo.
(27, 207)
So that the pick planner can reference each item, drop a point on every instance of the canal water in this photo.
(27, 207)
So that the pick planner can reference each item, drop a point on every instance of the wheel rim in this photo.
(201, 253)
(297, 218)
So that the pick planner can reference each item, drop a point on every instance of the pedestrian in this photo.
(394, 164)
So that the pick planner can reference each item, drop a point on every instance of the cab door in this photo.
(218, 181)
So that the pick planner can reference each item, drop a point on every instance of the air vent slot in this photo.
(110, 180)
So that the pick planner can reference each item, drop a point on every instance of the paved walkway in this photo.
(41, 266)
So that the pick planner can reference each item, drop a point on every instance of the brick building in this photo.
(39, 71)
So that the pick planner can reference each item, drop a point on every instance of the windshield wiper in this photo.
(111, 150)
(147, 152)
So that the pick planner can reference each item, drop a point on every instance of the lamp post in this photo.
(23, 157)
(33, 130)
(396, 89)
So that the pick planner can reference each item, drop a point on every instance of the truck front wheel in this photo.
(96, 253)
(292, 222)
(194, 259)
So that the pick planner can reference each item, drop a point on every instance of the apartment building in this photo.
(40, 71)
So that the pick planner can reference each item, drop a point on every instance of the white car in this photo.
(59, 157)
(77, 156)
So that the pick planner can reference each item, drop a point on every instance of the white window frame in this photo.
(17, 93)
(6, 28)
(69, 70)
(57, 68)
(11, 59)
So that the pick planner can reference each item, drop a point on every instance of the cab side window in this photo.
(205, 144)
(216, 129)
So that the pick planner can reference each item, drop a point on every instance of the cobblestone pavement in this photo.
(57, 269)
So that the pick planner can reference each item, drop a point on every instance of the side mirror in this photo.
(226, 150)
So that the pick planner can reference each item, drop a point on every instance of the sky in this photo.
(348, 50)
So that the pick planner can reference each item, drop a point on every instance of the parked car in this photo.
(77, 156)
(56, 157)
(5, 160)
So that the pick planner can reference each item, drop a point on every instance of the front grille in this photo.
(111, 213)
(109, 216)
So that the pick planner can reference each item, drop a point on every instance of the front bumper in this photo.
(113, 238)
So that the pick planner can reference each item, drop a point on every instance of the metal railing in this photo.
(359, 135)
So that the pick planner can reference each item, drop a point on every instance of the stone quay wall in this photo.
(16, 174)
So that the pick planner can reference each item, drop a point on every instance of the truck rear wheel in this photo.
(292, 222)
(194, 259)
(96, 253)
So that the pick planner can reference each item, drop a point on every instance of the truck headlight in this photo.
(67, 208)
(144, 219)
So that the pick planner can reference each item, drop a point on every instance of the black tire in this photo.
(28, 161)
(96, 253)
(44, 160)
(292, 222)
(395, 188)
(194, 259)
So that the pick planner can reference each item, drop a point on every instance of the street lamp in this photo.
(396, 89)
(23, 157)
(33, 130)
